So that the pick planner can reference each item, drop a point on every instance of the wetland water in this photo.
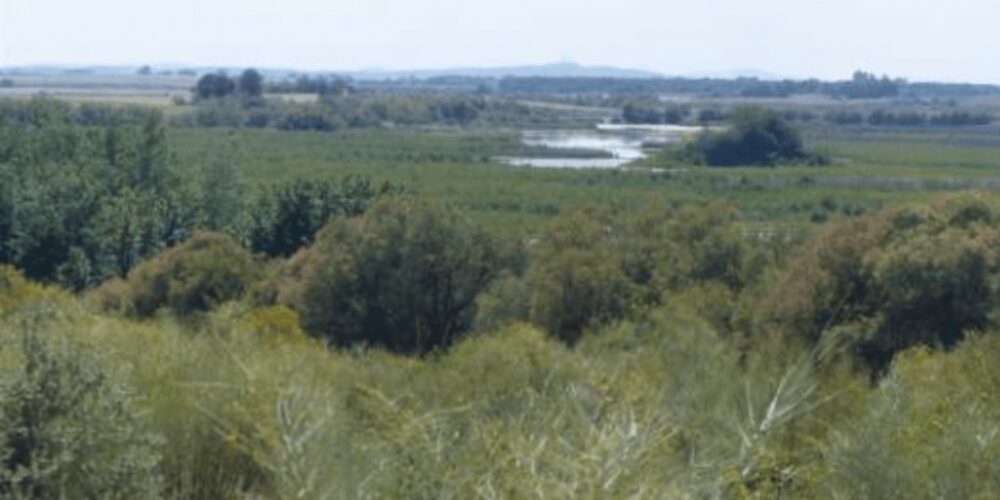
(612, 146)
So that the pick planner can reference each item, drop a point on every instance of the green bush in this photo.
(405, 276)
(756, 136)
(66, 429)
(198, 275)
(922, 275)
(622, 414)
(590, 269)
(577, 279)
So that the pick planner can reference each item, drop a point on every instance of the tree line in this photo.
(82, 203)
(646, 112)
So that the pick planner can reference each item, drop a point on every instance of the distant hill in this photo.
(563, 70)
(741, 73)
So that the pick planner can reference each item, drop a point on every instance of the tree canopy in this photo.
(756, 136)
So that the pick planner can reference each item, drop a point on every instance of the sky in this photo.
(955, 40)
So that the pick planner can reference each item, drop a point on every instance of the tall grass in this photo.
(662, 407)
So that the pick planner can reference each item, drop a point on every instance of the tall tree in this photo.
(251, 83)
(215, 85)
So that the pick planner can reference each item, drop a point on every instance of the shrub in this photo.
(756, 136)
(577, 279)
(405, 276)
(591, 269)
(278, 323)
(15, 290)
(200, 274)
(66, 429)
(913, 276)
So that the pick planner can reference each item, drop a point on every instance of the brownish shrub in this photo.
(203, 272)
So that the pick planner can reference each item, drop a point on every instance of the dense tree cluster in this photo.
(922, 275)
(960, 118)
(360, 111)
(286, 217)
(916, 119)
(320, 85)
(902, 119)
(756, 136)
(906, 117)
(249, 85)
(79, 204)
(592, 269)
(653, 113)
(862, 85)
(866, 86)
(844, 117)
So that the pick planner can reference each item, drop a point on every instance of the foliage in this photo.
(622, 353)
(203, 272)
(250, 84)
(756, 136)
(215, 85)
(82, 203)
(631, 407)
(404, 276)
(286, 217)
(242, 409)
(590, 269)
(639, 112)
(913, 276)
(66, 429)
(577, 279)
(354, 111)
(79, 204)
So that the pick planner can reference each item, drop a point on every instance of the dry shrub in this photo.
(198, 275)
(916, 275)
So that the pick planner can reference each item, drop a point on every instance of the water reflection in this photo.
(608, 147)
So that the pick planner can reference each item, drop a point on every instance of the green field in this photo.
(871, 170)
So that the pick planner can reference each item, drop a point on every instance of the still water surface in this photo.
(622, 144)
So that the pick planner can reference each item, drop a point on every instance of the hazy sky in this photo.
(918, 39)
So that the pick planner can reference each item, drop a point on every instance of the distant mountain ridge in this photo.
(562, 69)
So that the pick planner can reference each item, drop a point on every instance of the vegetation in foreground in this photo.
(699, 369)
(322, 339)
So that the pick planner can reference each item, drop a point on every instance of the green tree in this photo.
(756, 136)
(286, 217)
(251, 84)
(884, 283)
(215, 85)
(404, 275)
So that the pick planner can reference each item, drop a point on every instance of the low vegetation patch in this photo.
(755, 136)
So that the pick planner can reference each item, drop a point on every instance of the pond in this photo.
(607, 147)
